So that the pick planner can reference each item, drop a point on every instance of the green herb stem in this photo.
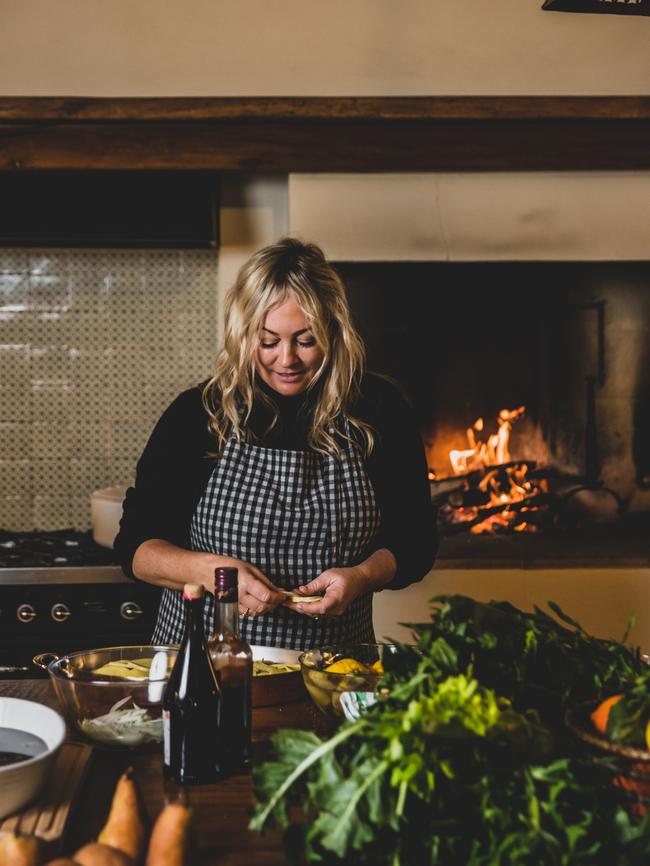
(401, 798)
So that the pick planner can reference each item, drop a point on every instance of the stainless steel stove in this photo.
(60, 592)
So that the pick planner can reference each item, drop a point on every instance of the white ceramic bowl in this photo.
(20, 783)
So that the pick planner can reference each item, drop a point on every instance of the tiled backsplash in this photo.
(93, 345)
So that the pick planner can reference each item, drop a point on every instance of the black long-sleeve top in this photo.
(174, 470)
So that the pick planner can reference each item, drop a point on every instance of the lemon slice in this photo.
(347, 666)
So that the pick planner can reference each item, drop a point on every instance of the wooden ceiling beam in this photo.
(331, 134)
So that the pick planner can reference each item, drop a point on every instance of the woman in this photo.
(290, 463)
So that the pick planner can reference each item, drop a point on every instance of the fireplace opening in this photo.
(530, 383)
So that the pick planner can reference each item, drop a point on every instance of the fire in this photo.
(497, 492)
(494, 452)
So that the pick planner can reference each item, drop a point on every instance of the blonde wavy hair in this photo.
(288, 267)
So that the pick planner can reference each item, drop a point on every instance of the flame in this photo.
(504, 485)
(459, 460)
(494, 452)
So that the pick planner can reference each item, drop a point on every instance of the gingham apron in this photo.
(293, 514)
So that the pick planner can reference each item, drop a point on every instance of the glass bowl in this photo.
(120, 706)
(328, 672)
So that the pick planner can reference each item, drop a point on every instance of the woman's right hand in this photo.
(257, 595)
(164, 564)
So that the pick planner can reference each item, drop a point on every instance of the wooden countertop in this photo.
(221, 812)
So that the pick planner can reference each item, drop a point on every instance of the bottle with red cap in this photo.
(192, 704)
(232, 660)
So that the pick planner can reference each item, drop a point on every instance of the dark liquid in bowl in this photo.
(16, 746)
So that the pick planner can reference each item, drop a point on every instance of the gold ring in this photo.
(247, 611)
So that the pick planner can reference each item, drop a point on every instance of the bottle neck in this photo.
(194, 619)
(226, 618)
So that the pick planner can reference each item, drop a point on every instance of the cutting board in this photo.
(48, 815)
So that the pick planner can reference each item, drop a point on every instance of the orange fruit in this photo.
(600, 715)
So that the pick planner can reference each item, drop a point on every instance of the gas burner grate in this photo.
(55, 549)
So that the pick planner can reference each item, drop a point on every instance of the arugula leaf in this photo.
(342, 824)
(300, 762)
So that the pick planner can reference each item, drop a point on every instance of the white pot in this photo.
(20, 783)
(105, 514)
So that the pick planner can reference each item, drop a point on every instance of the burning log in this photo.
(489, 491)
(476, 474)
(531, 510)
(469, 489)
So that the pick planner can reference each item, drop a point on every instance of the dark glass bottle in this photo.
(192, 704)
(232, 660)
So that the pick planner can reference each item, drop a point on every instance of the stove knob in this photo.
(130, 610)
(25, 613)
(60, 612)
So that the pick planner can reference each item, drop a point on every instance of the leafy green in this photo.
(629, 719)
(530, 658)
(454, 765)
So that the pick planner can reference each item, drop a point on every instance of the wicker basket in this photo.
(629, 767)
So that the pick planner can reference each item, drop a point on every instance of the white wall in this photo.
(253, 213)
(310, 47)
(601, 600)
(475, 216)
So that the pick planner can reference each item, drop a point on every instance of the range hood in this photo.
(109, 209)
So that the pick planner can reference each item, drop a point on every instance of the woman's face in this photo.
(287, 355)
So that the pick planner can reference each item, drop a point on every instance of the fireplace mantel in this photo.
(333, 134)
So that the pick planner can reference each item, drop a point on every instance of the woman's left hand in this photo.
(339, 587)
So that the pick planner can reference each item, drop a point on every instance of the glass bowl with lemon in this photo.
(329, 672)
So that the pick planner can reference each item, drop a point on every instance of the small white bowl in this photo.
(20, 783)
